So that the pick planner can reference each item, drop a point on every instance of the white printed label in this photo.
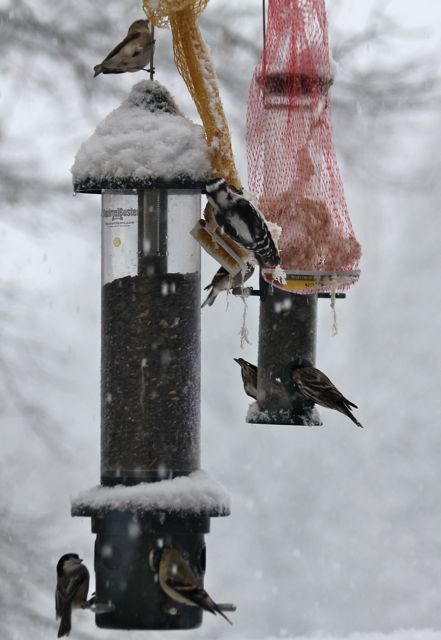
(120, 242)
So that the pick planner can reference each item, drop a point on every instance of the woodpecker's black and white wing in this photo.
(243, 222)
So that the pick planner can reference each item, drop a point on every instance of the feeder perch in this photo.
(148, 163)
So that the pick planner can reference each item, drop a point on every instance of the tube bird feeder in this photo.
(148, 163)
(293, 170)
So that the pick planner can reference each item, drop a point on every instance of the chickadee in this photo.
(314, 385)
(132, 53)
(249, 377)
(178, 581)
(224, 281)
(71, 591)
(242, 221)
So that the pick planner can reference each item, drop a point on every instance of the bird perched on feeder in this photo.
(224, 281)
(249, 377)
(178, 581)
(71, 591)
(242, 221)
(132, 53)
(314, 385)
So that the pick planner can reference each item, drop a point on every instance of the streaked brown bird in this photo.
(249, 377)
(314, 385)
(132, 53)
(178, 581)
(224, 281)
(71, 591)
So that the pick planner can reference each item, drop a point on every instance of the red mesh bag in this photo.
(292, 165)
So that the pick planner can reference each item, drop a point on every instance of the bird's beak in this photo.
(236, 360)
(80, 560)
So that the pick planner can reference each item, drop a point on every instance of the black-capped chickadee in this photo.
(71, 591)
(132, 53)
(178, 581)
(314, 385)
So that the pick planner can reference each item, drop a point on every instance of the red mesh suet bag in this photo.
(292, 165)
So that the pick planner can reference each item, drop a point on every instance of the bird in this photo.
(314, 385)
(71, 590)
(242, 221)
(132, 53)
(249, 377)
(224, 281)
(178, 581)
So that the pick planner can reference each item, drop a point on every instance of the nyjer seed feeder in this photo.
(148, 163)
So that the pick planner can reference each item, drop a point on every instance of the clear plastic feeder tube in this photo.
(150, 375)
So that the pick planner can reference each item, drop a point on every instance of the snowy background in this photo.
(334, 531)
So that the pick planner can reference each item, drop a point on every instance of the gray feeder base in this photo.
(308, 418)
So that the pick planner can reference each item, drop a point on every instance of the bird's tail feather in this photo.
(202, 598)
(350, 415)
(219, 610)
(209, 299)
(65, 624)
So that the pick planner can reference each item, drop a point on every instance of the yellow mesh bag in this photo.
(194, 65)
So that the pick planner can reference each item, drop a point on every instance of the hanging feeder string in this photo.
(152, 69)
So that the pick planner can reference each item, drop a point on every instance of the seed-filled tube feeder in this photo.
(148, 163)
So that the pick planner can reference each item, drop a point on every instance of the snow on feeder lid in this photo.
(291, 160)
(145, 142)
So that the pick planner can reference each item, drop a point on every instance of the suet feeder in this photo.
(148, 163)
(294, 172)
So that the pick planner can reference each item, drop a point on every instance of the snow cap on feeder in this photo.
(292, 165)
(145, 142)
(149, 163)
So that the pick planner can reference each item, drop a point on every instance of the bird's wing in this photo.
(60, 603)
(253, 369)
(69, 586)
(219, 276)
(191, 591)
(247, 210)
(188, 587)
(316, 386)
(122, 44)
